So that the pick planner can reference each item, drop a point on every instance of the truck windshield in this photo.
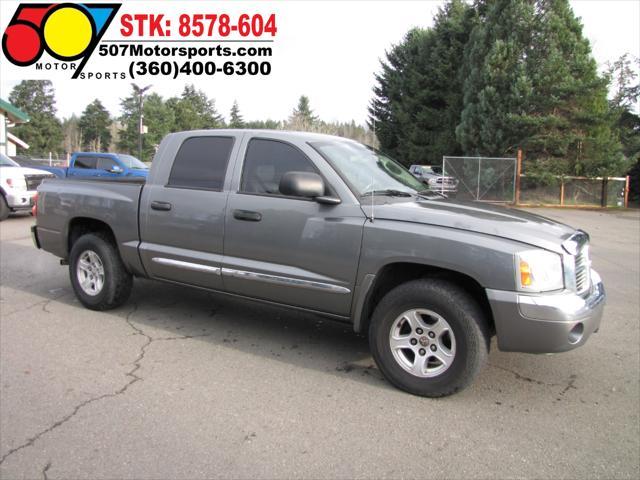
(367, 170)
(132, 162)
(6, 161)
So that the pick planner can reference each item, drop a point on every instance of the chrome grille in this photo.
(583, 269)
(34, 181)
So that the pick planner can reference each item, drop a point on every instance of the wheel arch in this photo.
(394, 274)
(79, 226)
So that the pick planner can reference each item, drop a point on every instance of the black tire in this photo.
(466, 321)
(4, 209)
(118, 282)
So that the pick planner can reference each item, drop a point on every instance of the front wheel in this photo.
(98, 275)
(429, 337)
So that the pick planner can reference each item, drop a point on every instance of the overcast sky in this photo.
(328, 51)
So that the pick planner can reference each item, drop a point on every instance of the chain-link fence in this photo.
(484, 179)
(573, 191)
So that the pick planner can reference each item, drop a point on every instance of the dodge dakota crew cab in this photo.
(327, 225)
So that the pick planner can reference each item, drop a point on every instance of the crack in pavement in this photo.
(45, 470)
(570, 385)
(523, 377)
(137, 364)
(43, 303)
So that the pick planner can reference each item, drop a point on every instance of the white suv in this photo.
(18, 186)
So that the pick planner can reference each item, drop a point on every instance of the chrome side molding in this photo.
(288, 281)
(196, 267)
(261, 277)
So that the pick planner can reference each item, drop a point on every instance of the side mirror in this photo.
(306, 184)
(302, 184)
(116, 169)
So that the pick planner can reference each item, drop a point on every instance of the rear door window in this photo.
(201, 163)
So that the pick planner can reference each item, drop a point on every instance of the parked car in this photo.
(432, 177)
(91, 164)
(324, 224)
(18, 186)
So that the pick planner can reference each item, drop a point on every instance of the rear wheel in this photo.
(4, 208)
(98, 275)
(429, 337)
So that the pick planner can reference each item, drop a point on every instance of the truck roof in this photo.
(276, 133)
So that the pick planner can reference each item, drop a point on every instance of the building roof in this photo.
(13, 113)
(13, 139)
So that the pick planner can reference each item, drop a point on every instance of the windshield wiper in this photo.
(389, 192)
(432, 193)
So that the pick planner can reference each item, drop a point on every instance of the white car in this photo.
(18, 186)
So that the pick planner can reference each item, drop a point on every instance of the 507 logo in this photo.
(66, 31)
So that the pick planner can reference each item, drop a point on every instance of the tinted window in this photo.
(85, 162)
(106, 163)
(265, 163)
(201, 162)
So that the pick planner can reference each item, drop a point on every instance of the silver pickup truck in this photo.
(327, 225)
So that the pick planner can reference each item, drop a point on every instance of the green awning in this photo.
(13, 113)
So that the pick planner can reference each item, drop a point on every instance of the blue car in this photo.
(92, 164)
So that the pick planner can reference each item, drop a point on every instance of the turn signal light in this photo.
(525, 274)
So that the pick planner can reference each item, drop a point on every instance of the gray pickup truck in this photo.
(327, 225)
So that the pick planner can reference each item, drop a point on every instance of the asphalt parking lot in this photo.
(185, 384)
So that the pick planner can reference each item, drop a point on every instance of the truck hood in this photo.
(14, 172)
(492, 220)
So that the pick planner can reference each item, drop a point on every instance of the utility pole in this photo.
(140, 93)
(518, 175)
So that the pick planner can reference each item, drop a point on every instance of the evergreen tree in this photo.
(193, 110)
(235, 119)
(624, 107)
(95, 124)
(129, 121)
(570, 128)
(531, 82)
(496, 88)
(158, 118)
(624, 80)
(43, 132)
(418, 93)
(302, 117)
(264, 124)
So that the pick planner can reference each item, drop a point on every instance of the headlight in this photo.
(17, 183)
(539, 271)
(433, 181)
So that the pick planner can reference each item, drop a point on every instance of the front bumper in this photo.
(443, 189)
(20, 199)
(546, 323)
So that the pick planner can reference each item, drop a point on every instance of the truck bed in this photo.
(113, 201)
(131, 180)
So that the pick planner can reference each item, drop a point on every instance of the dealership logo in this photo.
(66, 31)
